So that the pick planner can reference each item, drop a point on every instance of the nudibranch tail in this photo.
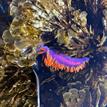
(63, 62)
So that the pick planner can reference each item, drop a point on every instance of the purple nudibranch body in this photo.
(61, 61)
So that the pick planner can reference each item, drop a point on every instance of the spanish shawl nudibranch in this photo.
(60, 61)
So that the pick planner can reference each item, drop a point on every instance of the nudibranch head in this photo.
(41, 49)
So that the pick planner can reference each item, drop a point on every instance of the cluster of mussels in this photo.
(66, 27)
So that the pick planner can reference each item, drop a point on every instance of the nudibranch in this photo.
(60, 61)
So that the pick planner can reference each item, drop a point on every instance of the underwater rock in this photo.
(65, 29)
(75, 98)
(16, 88)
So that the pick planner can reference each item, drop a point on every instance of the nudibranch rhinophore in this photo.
(61, 61)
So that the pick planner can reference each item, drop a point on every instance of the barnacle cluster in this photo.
(17, 88)
(104, 7)
(62, 26)
(32, 19)
(67, 25)
(75, 97)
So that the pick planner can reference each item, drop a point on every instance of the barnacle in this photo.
(33, 18)
(16, 88)
(104, 3)
(74, 97)
(104, 8)
(15, 81)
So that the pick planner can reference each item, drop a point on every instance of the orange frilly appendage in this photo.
(49, 61)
